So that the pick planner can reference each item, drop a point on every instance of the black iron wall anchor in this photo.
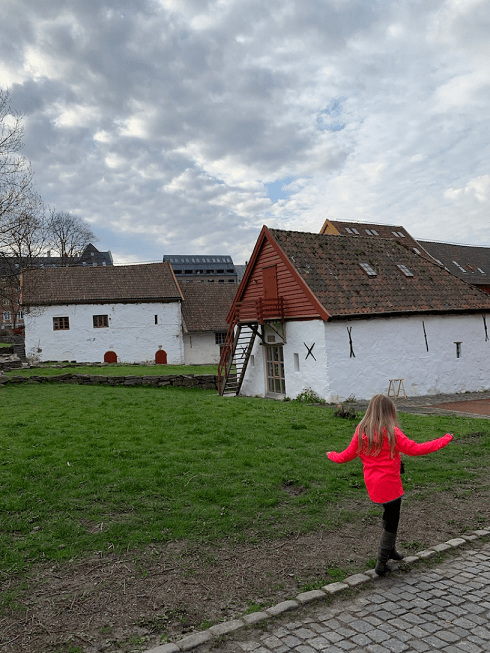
(425, 336)
(310, 351)
(349, 331)
(485, 325)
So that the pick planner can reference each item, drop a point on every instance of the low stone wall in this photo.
(204, 381)
(9, 361)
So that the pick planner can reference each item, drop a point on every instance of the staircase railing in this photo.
(240, 338)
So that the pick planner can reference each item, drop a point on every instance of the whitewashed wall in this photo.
(301, 371)
(132, 333)
(201, 349)
(384, 348)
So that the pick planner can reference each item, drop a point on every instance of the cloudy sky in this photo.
(183, 126)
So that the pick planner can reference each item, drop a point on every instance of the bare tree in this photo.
(15, 170)
(22, 243)
(69, 236)
(27, 231)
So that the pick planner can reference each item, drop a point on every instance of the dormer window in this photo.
(405, 270)
(370, 271)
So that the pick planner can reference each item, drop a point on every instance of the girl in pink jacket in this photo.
(382, 466)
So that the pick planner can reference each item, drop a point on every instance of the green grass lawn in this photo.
(97, 468)
(115, 369)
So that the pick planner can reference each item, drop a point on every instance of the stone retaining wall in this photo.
(204, 381)
(9, 361)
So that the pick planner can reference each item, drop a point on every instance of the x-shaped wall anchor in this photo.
(310, 351)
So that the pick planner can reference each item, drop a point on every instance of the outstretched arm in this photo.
(411, 448)
(348, 454)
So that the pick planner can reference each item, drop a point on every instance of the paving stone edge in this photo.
(332, 589)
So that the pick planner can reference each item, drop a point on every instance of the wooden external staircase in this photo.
(239, 342)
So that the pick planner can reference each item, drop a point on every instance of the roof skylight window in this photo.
(417, 251)
(375, 232)
(348, 230)
(459, 266)
(405, 270)
(480, 270)
(368, 232)
(355, 231)
(370, 271)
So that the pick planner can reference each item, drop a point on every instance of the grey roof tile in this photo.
(86, 285)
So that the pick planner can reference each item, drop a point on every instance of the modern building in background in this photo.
(208, 268)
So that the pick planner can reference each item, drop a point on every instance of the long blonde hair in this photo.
(380, 420)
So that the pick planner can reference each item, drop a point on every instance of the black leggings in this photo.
(391, 515)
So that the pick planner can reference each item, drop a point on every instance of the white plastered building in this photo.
(127, 314)
(345, 315)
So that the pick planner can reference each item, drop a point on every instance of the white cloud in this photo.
(162, 122)
(481, 187)
(462, 91)
(478, 188)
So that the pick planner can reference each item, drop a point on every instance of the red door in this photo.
(161, 357)
(110, 357)
(269, 277)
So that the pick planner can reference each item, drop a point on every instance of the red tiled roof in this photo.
(331, 268)
(206, 305)
(396, 232)
(111, 284)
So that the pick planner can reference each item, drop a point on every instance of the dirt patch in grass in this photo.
(133, 602)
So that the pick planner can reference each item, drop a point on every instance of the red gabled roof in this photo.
(334, 284)
(301, 301)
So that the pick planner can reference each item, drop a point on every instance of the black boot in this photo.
(386, 546)
(394, 554)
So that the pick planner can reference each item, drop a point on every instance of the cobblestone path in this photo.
(444, 607)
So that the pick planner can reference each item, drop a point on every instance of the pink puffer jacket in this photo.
(382, 472)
